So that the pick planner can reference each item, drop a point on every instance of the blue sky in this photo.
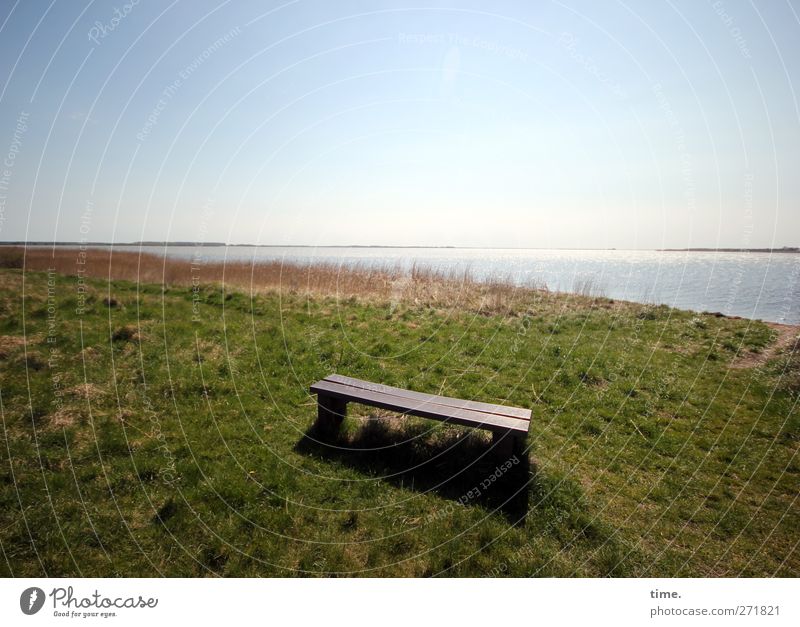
(508, 124)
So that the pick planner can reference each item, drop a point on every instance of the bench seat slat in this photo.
(422, 408)
(489, 408)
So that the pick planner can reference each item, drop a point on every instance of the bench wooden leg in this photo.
(511, 447)
(330, 413)
(507, 445)
(518, 446)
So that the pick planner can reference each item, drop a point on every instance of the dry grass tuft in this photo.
(9, 343)
(87, 390)
(128, 332)
(62, 418)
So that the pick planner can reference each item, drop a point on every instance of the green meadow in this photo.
(166, 431)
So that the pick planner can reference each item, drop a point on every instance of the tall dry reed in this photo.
(387, 283)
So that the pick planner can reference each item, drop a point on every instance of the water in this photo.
(751, 285)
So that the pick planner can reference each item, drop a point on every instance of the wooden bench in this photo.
(509, 425)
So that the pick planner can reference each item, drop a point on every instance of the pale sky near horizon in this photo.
(507, 124)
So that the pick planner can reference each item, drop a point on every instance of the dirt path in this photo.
(787, 334)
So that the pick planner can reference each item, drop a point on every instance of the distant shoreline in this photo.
(783, 249)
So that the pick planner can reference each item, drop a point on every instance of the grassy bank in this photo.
(163, 431)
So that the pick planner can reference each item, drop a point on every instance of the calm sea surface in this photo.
(752, 285)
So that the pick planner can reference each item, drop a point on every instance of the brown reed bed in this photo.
(419, 286)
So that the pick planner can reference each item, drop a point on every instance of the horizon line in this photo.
(180, 243)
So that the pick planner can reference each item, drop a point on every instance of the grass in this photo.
(160, 428)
